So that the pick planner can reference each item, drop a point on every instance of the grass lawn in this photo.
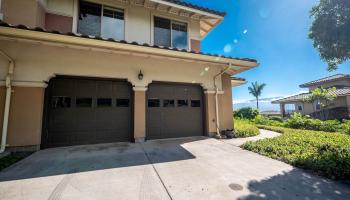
(11, 159)
(327, 154)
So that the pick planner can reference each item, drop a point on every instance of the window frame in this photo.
(76, 13)
(171, 34)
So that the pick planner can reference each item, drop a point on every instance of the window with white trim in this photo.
(169, 33)
(100, 20)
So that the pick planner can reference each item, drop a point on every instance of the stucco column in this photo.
(283, 111)
(210, 113)
(140, 113)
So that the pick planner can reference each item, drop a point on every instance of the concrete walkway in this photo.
(181, 169)
(263, 135)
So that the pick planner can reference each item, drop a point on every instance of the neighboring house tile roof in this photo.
(190, 5)
(326, 79)
(38, 29)
(302, 96)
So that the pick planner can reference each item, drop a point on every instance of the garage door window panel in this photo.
(195, 103)
(153, 103)
(168, 103)
(83, 102)
(60, 102)
(182, 103)
(104, 102)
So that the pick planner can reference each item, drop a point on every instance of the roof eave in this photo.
(45, 37)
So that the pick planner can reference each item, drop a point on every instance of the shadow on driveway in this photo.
(296, 184)
(75, 159)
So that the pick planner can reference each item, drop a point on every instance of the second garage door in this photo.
(87, 111)
(174, 110)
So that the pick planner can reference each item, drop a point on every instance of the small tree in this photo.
(330, 31)
(256, 89)
(324, 96)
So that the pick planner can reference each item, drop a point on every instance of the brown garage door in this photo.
(174, 110)
(87, 111)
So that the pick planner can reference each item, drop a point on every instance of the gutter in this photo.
(7, 100)
(216, 100)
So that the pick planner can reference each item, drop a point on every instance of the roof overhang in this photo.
(237, 81)
(209, 19)
(79, 42)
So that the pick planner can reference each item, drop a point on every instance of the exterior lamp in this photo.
(140, 76)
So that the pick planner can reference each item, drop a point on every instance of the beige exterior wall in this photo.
(139, 115)
(210, 125)
(226, 108)
(2, 106)
(38, 63)
(309, 108)
(138, 19)
(26, 12)
(25, 119)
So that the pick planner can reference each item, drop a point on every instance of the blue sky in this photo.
(275, 32)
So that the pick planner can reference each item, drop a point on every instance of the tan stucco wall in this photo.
(309, 108)
(138, 19)
(26, 12)
(25, 120)
(38, 63)
(139, 115)
(226, 108)
(2, 106)
(210, 113)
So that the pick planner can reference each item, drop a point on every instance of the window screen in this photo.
(60, 102)
(104, 102)
(123, 102)
(179, 35)
(89, 19)
(83, 102)
(153, 103)
(168, 103)
(162, 34)
(182, 103)
(113, 23)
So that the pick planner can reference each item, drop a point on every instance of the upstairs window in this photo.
(170, 33)
(99, 20)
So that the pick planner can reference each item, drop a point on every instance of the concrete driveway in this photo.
(192, 168)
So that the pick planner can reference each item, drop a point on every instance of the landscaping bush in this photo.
(297, 121)
(276, 118)
(262, 120)
(244, 128)
(326, 153)
(246, 113)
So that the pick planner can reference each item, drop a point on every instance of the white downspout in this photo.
(217, 101)
(7, 100)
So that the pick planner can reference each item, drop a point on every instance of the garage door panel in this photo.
(85, 111)
(174, 116)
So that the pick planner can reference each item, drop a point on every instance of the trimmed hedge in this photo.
(326, 153)
(244, 128)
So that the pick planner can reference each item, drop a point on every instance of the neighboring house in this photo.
(339, 108)
(100, 71)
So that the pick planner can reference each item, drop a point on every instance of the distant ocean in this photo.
(264, 104)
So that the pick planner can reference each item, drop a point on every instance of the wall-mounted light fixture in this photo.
(140, 76)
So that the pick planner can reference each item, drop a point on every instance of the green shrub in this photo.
(246, 113)
(345, 127)
(276, 118)
(262, 120)
(244, 128)
(297, 121)
(326, 153)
